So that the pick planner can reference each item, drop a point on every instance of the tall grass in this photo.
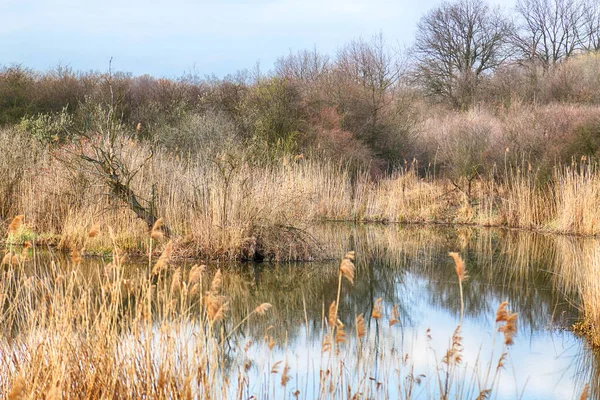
(231, 208)
(118, 333)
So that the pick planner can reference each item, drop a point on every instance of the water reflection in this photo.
(408, 266)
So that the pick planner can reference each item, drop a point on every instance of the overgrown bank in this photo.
(232, 207)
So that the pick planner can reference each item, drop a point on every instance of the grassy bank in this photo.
(232, 208)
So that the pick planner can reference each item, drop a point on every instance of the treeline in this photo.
(480, 89)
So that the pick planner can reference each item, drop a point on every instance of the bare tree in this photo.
(304, 66)
(100, 145)
(456, 44)
(551, 30)
(367, 74)
(590, 32)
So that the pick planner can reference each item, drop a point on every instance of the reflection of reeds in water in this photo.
(133, 332)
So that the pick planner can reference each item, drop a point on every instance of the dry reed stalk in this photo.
(461, 273)
(15, 224)
(585, 393)
(163, 260)
(18, 389)
(217, 283)
(395, 317)
(360, 326)
(94, 231)
(156, 232)
(376, 314)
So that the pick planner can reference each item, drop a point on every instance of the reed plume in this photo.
(216, 307)
(461, 273)
(347, 269)
(156, 232)
(217, 282)
(585, 393)
(508, 323)
(7, 259)
(361, 331)
(196, 274)
(340, 334)
(285, 378)
(332, 314)
(376, 314)
(176, 281)
(395, 317)
(75, 255)
(263, 308)
(94, 231)
(18, 390)
(163, 260)
(15, 224)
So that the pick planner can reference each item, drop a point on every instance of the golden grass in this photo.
(113, 337)
(258, 211)
(106, 319)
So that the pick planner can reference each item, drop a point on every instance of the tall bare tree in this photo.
(304, 66)
(456, 44)
(551, 30)
(590, 40)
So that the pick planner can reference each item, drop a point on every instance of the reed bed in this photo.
(116, 332)
(233, 209)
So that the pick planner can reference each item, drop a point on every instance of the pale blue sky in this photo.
(168, 38)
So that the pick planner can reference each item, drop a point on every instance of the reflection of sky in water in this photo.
(541, 364)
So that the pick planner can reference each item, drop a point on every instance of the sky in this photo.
(170, 38)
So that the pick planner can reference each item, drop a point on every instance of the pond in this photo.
(409, 269)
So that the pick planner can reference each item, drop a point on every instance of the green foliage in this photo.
(274, 116)
(586, 141)
(48, 128)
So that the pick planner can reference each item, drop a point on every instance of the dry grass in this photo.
(232, 209)
(69, 334)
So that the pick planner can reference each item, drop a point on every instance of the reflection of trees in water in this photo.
(538, 275)
(513, 266)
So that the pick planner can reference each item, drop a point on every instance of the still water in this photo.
(409, 267)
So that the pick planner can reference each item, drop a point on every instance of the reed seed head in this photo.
(377, 309)
(585, 393)
(347, 269)
(217, 282)
(459, 265)
(15, 224)
(395, 317)
(360, 326)
(332, 315)
(196, 274)
(94, 231)
(18, 389)
(263, 308)
(156, 233)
